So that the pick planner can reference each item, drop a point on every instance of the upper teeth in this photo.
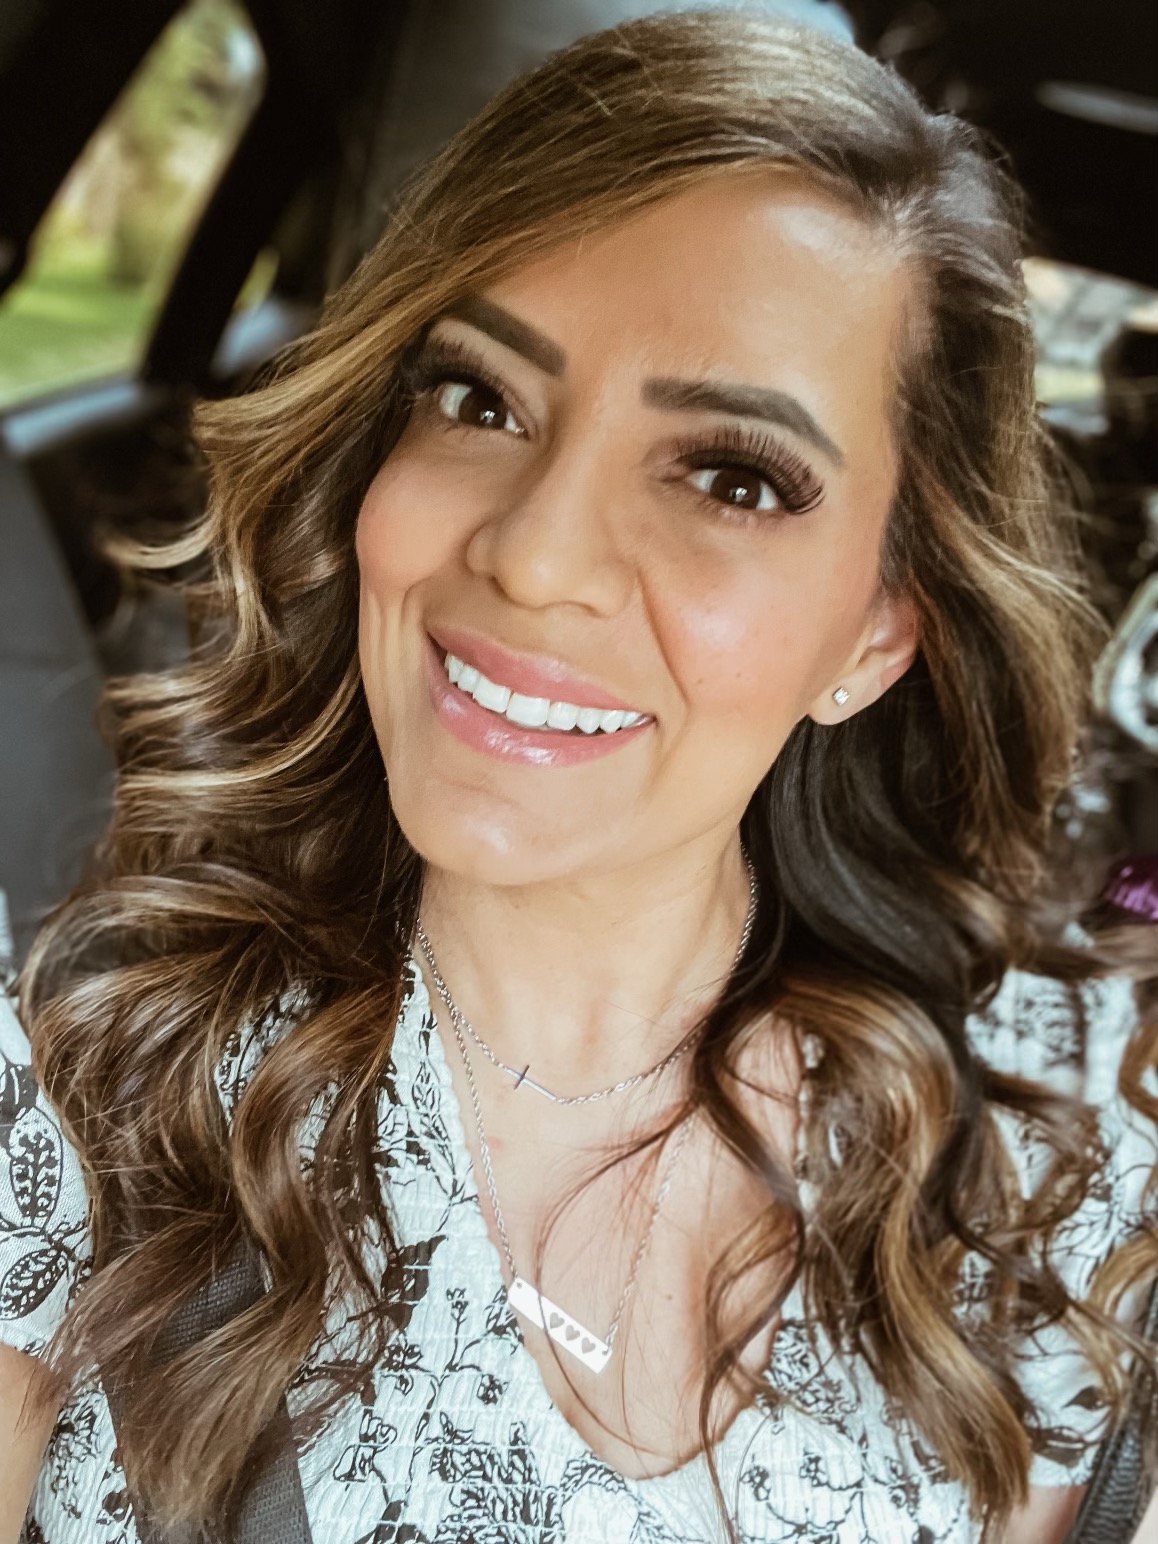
(534, 712)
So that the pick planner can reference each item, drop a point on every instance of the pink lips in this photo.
(534, 675)
(492, 734)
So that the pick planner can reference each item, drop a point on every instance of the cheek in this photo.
(409, 526)
(753, 642)
(736, 659)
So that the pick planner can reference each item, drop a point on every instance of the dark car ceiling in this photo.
(1087, 153)
(1091, 183)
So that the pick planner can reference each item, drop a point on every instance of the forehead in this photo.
(758, 276)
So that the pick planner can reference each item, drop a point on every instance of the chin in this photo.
(487, 848)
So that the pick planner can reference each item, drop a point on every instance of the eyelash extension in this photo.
(436, 362)
(789, 476)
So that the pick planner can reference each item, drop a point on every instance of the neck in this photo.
(591, 977)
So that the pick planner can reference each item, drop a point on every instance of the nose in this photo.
(561, 538)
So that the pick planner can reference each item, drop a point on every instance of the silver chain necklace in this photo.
(594, 1352)
(460, 1021)
(525, 1298)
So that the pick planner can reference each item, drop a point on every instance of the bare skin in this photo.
(542, 497)
(25, 1424)
(1148, 1530)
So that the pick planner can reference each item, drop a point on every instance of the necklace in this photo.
(568, 1332)
(525, 1298)
(460, 1021)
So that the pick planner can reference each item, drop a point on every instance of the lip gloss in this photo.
(493, 735)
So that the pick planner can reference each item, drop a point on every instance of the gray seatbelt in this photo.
(272, 1508)
(1123, 1478)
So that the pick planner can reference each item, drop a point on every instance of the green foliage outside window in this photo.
(105, 251)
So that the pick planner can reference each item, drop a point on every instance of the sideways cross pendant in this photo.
(521, 1080)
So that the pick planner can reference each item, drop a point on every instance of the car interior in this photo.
(328, 109)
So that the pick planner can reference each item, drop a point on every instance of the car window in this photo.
(105, 251)
(1076, 314)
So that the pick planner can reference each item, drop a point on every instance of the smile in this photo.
(535, 712)
(535, 727)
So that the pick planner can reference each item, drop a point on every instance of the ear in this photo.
(883, 653)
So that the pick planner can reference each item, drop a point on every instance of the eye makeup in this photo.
(758, 454)
(435, 361)
(744, 449)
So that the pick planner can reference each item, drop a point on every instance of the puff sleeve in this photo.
(44, 1239)
(1073, 1038)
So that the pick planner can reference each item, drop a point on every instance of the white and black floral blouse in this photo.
(457, 1442)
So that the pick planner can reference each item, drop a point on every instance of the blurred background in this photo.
(181, 184)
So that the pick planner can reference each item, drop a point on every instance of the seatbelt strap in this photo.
(1122, 1481)
(272, 1508)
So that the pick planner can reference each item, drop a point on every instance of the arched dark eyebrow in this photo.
(778, 407)
(512, 333)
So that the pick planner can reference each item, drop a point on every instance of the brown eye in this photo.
(476, 406)
(734, 486)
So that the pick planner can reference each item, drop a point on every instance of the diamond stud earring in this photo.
(840, 695)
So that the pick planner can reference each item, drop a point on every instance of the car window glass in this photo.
(105, 251)
(1076, 314)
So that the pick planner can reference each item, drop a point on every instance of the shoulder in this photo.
(44, 1244)
(1071, 1035)
(251, 1041)
(1072, 1038)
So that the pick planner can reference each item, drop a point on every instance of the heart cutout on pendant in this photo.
(554, 1321)
(587, 1345)
(571, 1332)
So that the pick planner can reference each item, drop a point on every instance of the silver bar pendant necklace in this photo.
(562, 1328)
(594, 1351)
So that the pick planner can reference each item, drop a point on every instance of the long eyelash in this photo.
(789, 476)
(435, 362)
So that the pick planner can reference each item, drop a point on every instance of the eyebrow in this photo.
(512, 333)
(776, 407)
(760, 402)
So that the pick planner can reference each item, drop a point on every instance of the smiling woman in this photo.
(619, 483)
(584, 919)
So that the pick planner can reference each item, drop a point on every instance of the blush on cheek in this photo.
(397, 536)
(734, 651)
(752, 651)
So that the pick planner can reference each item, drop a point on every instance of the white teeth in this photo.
(530, 712)
(535, 712)
(489, 694)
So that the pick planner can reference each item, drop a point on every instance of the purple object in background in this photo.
(1133, 886)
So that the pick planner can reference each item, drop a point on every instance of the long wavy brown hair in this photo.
(903, 856)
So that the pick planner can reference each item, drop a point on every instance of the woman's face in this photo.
(647, 474)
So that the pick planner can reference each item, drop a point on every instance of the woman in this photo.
(640, 653)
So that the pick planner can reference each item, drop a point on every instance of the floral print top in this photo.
(455, 1440)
